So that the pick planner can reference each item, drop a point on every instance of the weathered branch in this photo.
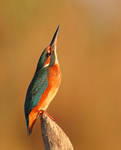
(53, 136)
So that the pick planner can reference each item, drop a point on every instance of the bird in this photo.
(44, 85)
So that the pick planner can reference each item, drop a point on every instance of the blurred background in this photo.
(88, 104)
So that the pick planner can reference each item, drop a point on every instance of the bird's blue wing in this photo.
(35, 90)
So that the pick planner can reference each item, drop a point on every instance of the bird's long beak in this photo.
(54, 39)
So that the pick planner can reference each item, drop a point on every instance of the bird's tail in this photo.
(32, 119)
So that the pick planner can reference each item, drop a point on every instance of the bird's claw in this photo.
(42, 111)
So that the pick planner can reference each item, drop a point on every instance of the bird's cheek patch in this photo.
(47, 62)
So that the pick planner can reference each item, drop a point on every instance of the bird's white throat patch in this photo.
(46, 65)
(56, 59)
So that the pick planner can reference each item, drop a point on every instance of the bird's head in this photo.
(49, 56)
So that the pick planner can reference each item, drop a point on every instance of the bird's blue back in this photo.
(35, 90)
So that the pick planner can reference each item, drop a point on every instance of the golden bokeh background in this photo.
(88, 104)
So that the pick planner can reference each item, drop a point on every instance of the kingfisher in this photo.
(44, 85)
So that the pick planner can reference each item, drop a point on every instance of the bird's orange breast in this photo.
(54, 80)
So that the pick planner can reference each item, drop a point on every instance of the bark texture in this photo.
(53, 136)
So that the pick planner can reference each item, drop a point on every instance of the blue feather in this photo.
(35, 90)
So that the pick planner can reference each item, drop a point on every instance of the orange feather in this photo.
(54, 80)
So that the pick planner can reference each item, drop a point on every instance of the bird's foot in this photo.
(50, 116)
(42, 111)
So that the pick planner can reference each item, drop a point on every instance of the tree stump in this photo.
(53, 136)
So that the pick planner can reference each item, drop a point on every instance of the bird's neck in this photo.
(56, 58)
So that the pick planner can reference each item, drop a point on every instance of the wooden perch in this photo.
(53, 136)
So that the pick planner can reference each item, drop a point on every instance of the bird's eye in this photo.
(48, 54)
